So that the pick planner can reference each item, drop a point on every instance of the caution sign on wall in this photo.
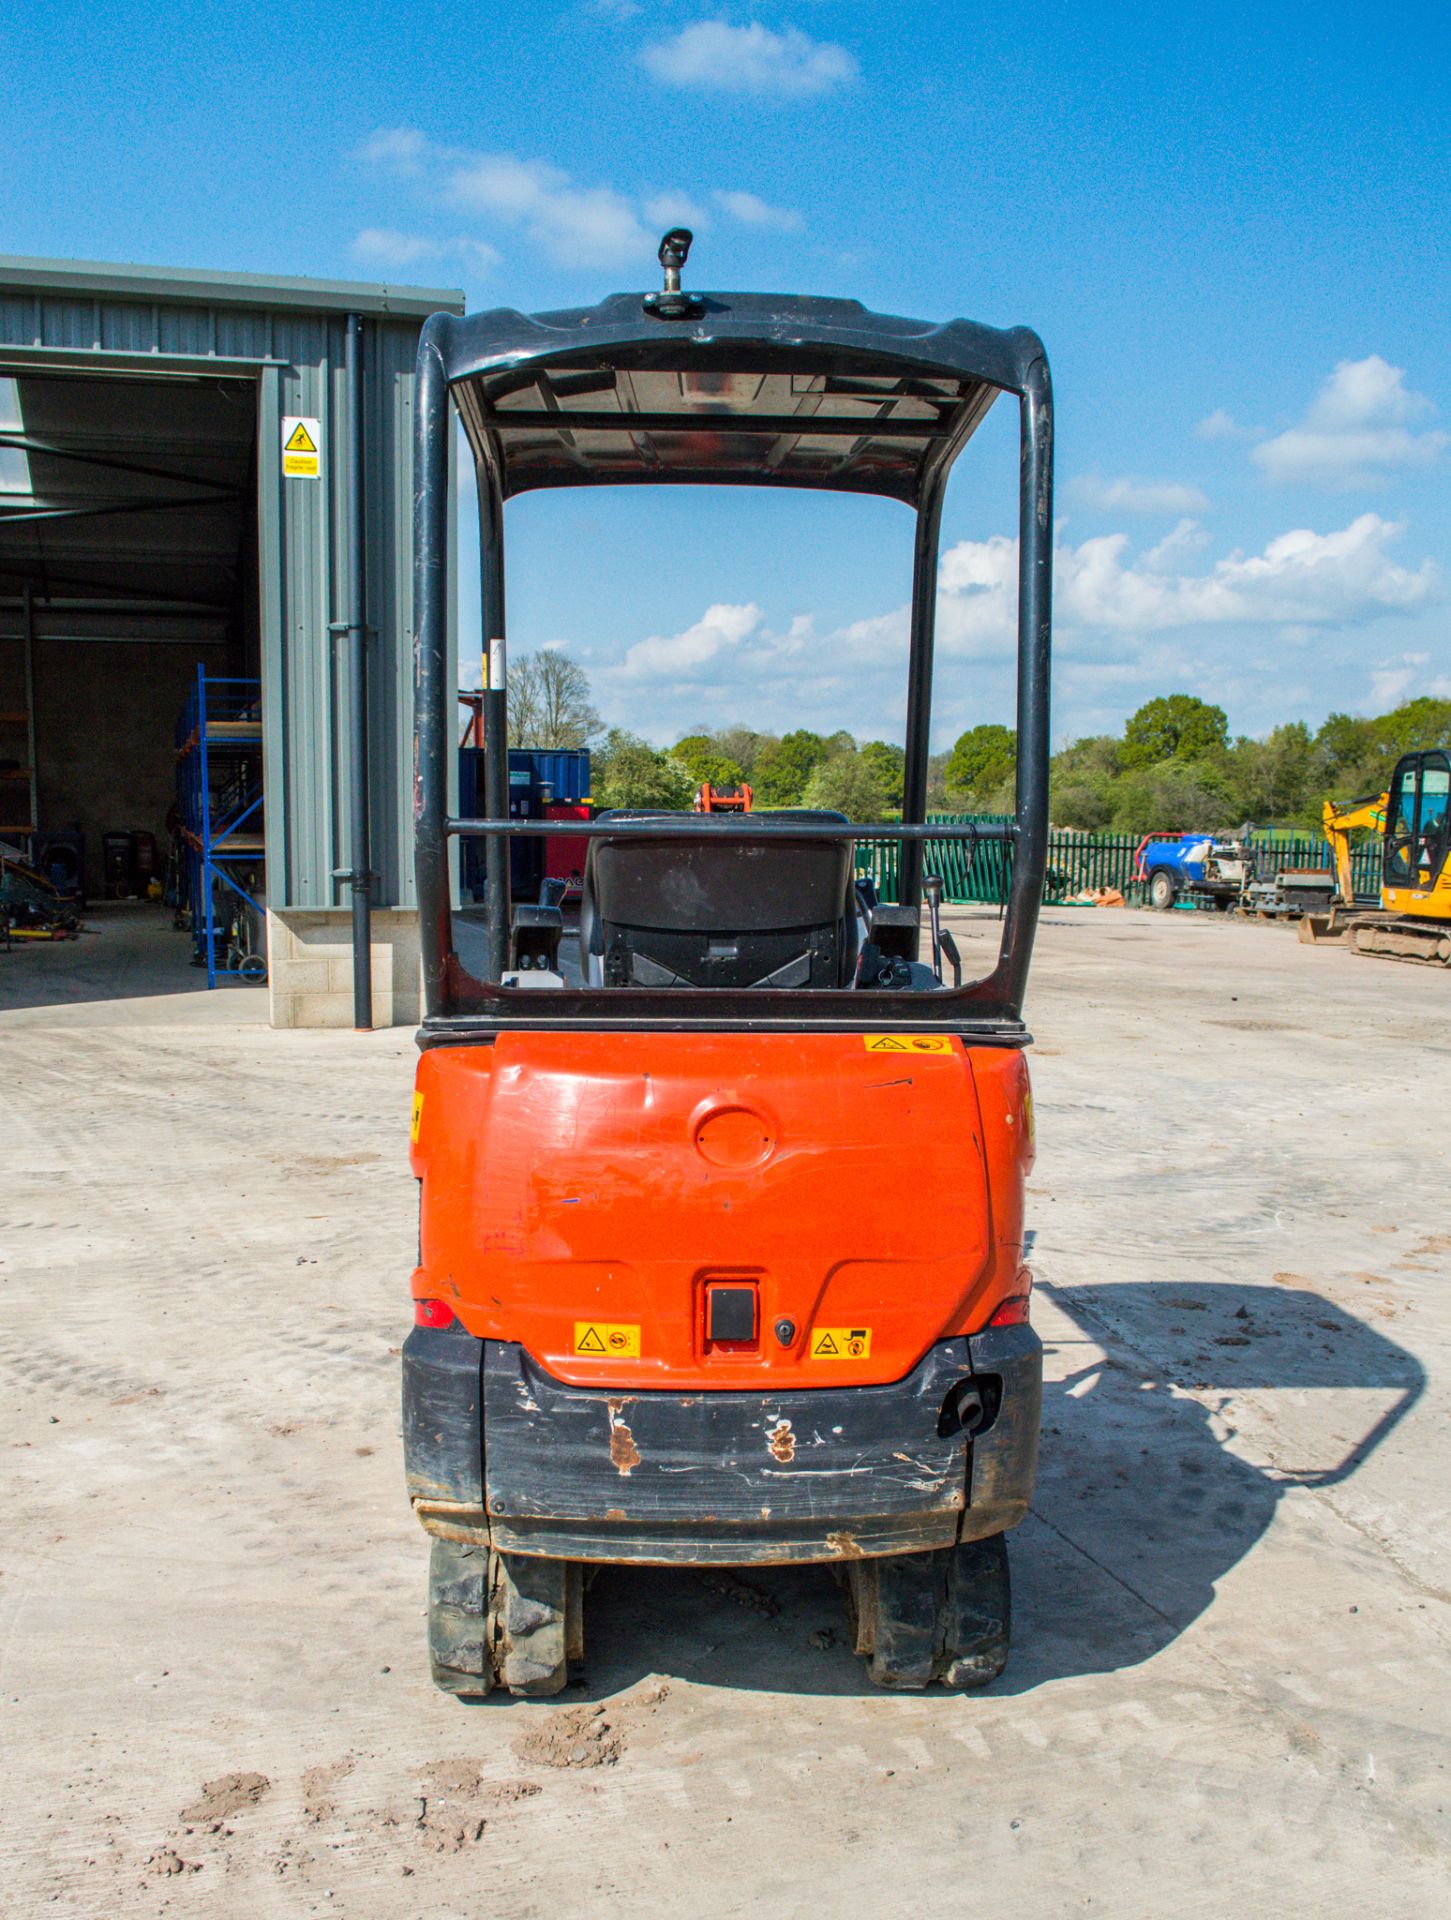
(301, 447)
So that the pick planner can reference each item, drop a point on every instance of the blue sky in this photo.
(1230, 226)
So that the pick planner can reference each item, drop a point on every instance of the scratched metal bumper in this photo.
(1009, 1362)
(497, 1450)
(443, 1431)
(744, 1478)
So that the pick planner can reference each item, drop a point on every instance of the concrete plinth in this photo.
(310, 968)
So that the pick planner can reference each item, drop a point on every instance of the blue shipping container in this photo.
(565, 771)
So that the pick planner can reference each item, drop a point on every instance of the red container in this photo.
(564, 855)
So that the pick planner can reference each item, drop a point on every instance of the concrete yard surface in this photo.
(1230, 1690)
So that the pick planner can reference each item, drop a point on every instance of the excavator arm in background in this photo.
(1412, 919)
(1339, 822)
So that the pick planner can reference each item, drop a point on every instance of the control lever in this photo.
(949, 947)
(932, 887)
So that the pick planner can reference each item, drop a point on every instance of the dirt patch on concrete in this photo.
(166, 1863)
(588, 1736)
(221, 1798)
(450, 1809)
(574, 1737)
(319, 1787)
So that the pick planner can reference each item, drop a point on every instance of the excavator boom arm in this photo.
(1339, 822)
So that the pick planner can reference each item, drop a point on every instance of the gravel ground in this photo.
(1230, 1684)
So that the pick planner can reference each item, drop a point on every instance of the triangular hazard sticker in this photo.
(825, 1346)
(884, 1043)
(591, 1342)
(299, 440)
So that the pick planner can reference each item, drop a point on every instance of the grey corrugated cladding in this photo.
(288, 336)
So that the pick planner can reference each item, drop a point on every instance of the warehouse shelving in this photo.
(219, 819)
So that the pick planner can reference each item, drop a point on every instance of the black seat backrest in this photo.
(724, 908)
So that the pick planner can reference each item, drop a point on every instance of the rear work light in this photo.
(432, 1313)
(1013, 1312)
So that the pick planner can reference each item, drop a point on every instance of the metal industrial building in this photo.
(150, 520)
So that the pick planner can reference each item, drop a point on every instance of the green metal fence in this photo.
(1079, 862)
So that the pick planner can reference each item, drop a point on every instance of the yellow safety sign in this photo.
(907, 1042)
(417, 1118)
(301, 447)
(606, 1340)
(841, 1343)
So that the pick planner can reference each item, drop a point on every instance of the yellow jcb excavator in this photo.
(1413, 820)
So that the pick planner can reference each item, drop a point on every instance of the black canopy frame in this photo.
(747, 389)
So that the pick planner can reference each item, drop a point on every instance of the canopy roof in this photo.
(754, 389)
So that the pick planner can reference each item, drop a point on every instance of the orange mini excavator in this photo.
(721, 1253)
(735, 799)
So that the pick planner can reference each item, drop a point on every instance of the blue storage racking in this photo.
(219, 821)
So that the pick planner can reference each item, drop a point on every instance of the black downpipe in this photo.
(919, 683)
(496, 720)
(360, 875)
(432, 697)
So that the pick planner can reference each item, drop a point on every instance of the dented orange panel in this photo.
(582, 1189)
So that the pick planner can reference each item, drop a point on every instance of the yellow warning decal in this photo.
(300, 440)
(907, 1042)
(417, 1118)
(840, 1343)
(606, 1340)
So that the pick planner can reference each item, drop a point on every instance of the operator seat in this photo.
(724, 908)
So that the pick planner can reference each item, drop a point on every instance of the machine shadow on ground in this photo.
(1141, 1506)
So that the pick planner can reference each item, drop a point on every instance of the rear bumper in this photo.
(497, 1450)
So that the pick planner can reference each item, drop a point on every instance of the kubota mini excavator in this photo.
(1413, 820)
(721, 1249)
(726, 799)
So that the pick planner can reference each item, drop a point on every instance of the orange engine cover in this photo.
(604, 1180)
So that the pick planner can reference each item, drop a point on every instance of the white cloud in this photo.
(1137, 496)
(398, 150)
(1301, 578)
(1220, 425)
(977, 596)
(1114, 613)
(575, 225)
(752, 211)
(676, 210)
(1357, 432)
(714, 57)
(1392, 679)
(675, 656)
(388, 247)
(1174, 549)
(1361, 392)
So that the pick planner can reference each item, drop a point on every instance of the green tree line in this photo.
(1174, 766)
